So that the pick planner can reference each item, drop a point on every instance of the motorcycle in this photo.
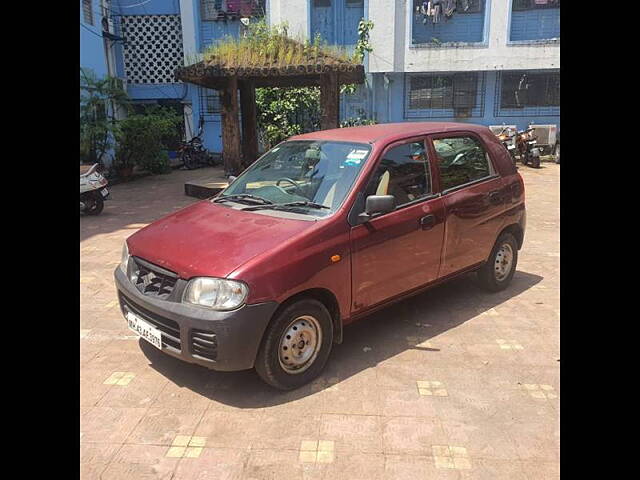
(526, 147)
(194, 155)
(93, 191)
(506, 137)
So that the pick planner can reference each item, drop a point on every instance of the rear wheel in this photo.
(535, 161)
(496, 274)
(94, 206)
(296, 345)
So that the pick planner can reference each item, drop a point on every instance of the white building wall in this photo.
(294, 12)
(392, 50)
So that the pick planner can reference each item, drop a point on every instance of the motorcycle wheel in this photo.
(94, 206)
(190, 162)
(535, 161)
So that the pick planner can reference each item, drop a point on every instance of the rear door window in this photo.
(461, 160)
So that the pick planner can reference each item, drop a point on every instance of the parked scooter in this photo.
(507, 138)
(93, 191)
(526, 147)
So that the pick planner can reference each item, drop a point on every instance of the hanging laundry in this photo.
(448, 7)
(436, 11)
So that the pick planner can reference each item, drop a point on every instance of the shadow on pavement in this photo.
(385, 332)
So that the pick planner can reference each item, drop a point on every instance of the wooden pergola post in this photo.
(329, 101)
(230, 127)
(249, 121)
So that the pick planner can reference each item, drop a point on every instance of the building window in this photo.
(209, 103)
(443, 91)
(458, 22)
(213, 10)
(87, 11)
(521, 5)
(525, 89)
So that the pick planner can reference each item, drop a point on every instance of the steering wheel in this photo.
(292, 182)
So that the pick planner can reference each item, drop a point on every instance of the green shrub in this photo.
(140, 139)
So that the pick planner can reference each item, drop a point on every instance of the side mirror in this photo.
(377, 204)
(232, 179)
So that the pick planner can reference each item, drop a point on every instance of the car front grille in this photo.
(204, 344)
(169, 328)
(152, 280)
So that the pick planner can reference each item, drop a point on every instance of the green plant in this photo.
(361, 119)
(140, 137)
(283, 112)
(362, 46)
(99, 100)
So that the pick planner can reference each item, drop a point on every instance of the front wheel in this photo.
(496, 274)
(296, 345)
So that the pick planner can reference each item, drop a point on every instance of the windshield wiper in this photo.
(286, 206)
(244, 196)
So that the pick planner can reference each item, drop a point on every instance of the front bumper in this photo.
(225, 341)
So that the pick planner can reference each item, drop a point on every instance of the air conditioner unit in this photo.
(546, 134)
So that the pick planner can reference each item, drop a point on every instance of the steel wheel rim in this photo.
(504, 262)
(300, 344)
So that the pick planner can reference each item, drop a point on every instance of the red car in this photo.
(321, 230)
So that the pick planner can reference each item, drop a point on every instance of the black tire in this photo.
(535, 161)
(189, 162)
(489, 277)
(557, 152)
(94, 206)
(268, 363)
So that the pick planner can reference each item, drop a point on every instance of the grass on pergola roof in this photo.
(266, 46)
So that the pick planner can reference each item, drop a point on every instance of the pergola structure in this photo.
(317, 69)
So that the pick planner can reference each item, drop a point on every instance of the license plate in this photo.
(150, 333)
(511, 147)
(104, 192)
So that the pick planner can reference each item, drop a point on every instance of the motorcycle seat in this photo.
(86, 170)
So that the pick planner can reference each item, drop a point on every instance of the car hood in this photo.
(208, 239)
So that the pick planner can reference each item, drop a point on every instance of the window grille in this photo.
(87, 11)
(521, 5)
(524, 89)
(321, 3)
(152, 48)
(444, 95)
(209, 103)
(213, 10)
(534, 93)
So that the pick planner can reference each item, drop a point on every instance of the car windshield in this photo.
(306, 176)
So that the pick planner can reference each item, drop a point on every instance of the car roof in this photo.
(387, 132)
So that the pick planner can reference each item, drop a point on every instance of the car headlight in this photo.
(216, 293)
(125, 258)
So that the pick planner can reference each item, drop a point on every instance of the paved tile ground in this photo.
(453, 384)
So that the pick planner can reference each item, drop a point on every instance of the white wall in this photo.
(294, 12)
(392, 18)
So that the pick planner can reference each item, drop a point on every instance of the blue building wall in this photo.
(535, 24)
(390, 105)
(92, 55)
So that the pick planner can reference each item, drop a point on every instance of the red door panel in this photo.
(394, 253)
(474, 218)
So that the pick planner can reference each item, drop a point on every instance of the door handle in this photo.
(495, 197)
(428, 222)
